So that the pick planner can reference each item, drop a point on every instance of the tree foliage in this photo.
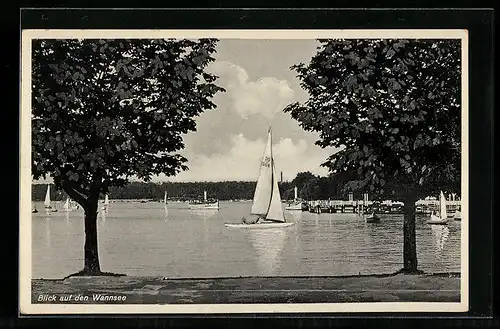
(392, 106)
(393, 109)
(105, 110)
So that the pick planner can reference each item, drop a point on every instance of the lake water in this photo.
(137, 239)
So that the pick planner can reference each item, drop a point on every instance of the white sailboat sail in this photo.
(442, 207)
(296, 194)
(205, 195)
(106, 200)
(275, 212)
(66, 204)
(47, 197)
(264, 187)
(267, 198)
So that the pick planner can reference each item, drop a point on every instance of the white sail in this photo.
(442, 207)
(275, 211)
(264, 187)
(47, 197)
(296, 193)
(205, 195)
(106, 200)
(66, 204)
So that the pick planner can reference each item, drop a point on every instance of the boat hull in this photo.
(437, 221)
(372, 220)
(297, 206)
(259, 225)
(214, 205)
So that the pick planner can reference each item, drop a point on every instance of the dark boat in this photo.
(373, 218)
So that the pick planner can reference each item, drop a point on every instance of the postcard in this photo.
(243, 171)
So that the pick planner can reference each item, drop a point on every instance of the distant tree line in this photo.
(228, 190)
(310, 187)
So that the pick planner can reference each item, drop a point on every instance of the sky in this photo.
(229, 141)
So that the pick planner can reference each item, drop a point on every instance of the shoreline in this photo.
(374, 275)
(430, 287)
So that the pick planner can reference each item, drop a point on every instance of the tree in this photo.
(301, 179)
(393, 107)
(107, 110)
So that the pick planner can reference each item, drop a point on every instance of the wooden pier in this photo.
(387, 207)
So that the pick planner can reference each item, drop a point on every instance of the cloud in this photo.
(266, 96)
(242, 160)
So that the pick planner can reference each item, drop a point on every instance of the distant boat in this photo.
(106, 203)
(373, 218)
(205, 204)
(297, 204)
(267, 200)
(457, 215)
(442, 218)
(47, 202)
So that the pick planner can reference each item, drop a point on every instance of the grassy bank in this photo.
(154, 290)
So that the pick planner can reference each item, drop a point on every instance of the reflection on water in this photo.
(47, 233)
(293, 216)
(268, 244)
(103, 214)
(440, 233)
(135, 238)
(203, 213)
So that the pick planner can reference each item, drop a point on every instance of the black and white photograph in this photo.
(243, 171)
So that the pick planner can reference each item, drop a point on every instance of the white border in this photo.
(25, 237)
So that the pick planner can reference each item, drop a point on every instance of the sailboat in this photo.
(267, 200)
(297, 204)
(66, 206)
(442, 218)
(205, 204)
(106, 203)
(47, 202)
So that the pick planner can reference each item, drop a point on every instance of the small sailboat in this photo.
(267, 200)
(66, 206)
(106, 203)
(442, 218)
(205, 204)
(297, 204)
(47, 202)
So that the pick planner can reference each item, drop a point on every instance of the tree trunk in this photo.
(91, 254)
(409, 239)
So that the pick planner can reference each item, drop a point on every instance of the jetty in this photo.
(425, 206)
